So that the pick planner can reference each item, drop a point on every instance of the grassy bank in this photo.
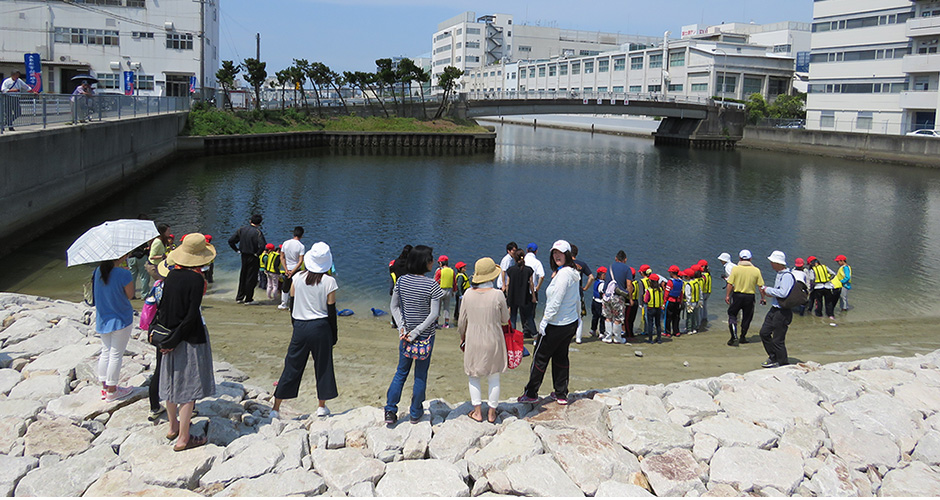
(204, 122)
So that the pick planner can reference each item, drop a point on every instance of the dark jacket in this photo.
(248, 240)
(179, 308)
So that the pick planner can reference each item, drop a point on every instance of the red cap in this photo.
(840, 257)
(696, 268)
(654, 277)
(689, 272)
(674, 269)
(703, 263)
(643, 268)
(170, 236)
(811, 258)
(442, 258)
(799, 262)
(601, 269)
(208, 238)
(269, 246)
(391, 263)
(461, 265)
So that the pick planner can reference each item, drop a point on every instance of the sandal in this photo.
(470, 414)
(194, 442)
(491, 420)
(172, 435)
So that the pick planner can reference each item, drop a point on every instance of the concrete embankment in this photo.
(596, 124)
(859, 428)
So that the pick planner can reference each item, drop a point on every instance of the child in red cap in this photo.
(655, 300)
(462, 285)
(271, 264)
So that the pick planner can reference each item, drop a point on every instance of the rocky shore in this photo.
(861, 428)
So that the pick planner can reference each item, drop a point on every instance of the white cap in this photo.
(777, 257)
(745, 254)
(724, 257)
(318, 259)
(562, 246)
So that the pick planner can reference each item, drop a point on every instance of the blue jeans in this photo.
(398, 383)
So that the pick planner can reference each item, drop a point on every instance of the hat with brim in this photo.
(319, 259)
(484, 270)
(778, 257)
(164, 267)
(193, 252)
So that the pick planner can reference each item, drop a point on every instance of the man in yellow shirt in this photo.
(744, 282)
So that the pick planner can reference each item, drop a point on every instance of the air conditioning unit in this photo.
(168, 26)
(65, 58)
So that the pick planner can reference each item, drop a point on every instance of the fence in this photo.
(21, 110)
(596, 96)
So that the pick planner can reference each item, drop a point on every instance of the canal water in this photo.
(662, 205)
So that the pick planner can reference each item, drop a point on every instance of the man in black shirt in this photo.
(248, 241)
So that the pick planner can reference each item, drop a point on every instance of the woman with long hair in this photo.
(557, 328)
(416, 302)
(315, 330)
(114, 319)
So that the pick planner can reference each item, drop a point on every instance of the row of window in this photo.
(862, 22)
(862, 121)
(857, 88)
(115, 3)
(85, 36)
(116, 81)
(859, 55)
(676, 59)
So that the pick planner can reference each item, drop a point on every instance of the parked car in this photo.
(925, 132)
(790, 124)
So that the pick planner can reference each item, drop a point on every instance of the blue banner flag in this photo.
(128, 83)
(192, 85)
(33, 71)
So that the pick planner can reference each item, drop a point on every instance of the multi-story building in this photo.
(164, 43)
(874, 66)
(468, 42)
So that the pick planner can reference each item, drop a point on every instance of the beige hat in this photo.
(193, 251)
(164, 267)
(318, 259)
(484, 270)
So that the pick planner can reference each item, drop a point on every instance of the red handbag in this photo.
(514, 345)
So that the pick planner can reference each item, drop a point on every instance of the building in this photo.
(468, 42)
(722, 65)
(168, 45)
(874, 66)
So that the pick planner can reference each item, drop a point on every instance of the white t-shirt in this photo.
(504, 264)
(293, 251)
(310, 301)
(9, 85)
(538, 272)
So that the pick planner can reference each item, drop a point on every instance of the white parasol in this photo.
(110, 240)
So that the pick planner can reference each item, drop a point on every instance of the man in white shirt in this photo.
(292, 257)
(505, 264)
(538, 273)
(13, 84)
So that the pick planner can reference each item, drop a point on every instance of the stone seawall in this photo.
(384, 142)
(862, 428)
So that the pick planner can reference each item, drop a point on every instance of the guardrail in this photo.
(477, 95)
(21, 110)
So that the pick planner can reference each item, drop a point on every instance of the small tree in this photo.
(283, 78)
(385, 76)
(789, 107)
(422, 77)
(226, 77)
(756, 108)
(406, 74)
(299, 74)
(256, 75)
(448, 83)
(338, 81)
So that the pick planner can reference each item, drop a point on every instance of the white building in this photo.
(468, 42)
(724, 66)
(874, 66)
(165, 43)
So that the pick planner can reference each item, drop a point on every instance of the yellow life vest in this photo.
(822, 274)
(706, 283)
(642, 282)
(447, 278)
(394, 277)
(656, 298)
(465, 285)
(696, 286)
(273, 262)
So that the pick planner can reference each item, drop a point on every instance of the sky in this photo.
(349, 35)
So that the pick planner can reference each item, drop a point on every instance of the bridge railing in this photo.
(21, 110)
(596, 97)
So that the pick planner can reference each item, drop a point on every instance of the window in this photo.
(442, 36)
(699, 87)
(459, 45)
(588, 52)
(726, 84)
(532, 72)
(864, 120)
(601, 90)
(179, 41)
(636, 62)
(525, 48)
(473, 45)
(603, 66)
(552, 70)
(753, 85)
(656, 61)
(141, 34)
(541, 71)
(654, 88)
(588, 89)
(473, 59)
(136, 3)
(588, 67)
(636, 88)
(473, 31)
(922, 82)
(87, 36)
(777, 86)
(144, 82)
(785, 49)
(575, 68)
(618, 89)
(675, 87)
(110, 81)
(827, 119)
(676, 59)
(620, 63)
(459, 31)
(563, 69)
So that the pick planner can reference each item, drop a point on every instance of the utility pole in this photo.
(202, 50)
(258, 46)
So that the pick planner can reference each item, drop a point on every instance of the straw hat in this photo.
(484, 270)
(318, 259)
(164, 267)
(193, 252)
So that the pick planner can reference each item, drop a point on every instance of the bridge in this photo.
(695, 122)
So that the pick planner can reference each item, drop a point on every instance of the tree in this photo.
(299, 76)
(365, 82)
(226, 78)
(789, 107)
(385, 76)
(448, 83)
(756, 108)
(283, 78)
(256, 74)
(422, 77)
(406, 74)
(338, 81)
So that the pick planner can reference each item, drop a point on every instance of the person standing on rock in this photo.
(186, 373)
(315, 330)
(113, 287)
(483, 313)
(744, 282)
(249, 242)
(773, 333)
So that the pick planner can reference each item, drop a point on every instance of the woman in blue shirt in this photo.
(113, 289)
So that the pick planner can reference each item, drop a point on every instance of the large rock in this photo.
(919, 396)
(11, 430)
(427, 478)
(295, 482)
(692, 401)
(620, 490)
(860, 448)
(9, 378)
(880, 414)
(41, 388)
(45, 341)
(834, 479)
(22, 329)
(580, 413)
(640, 405)
(343, 468)
(12, 469)
(776, 403)
(832, 387)
(415, 446)
(674, 473)
(360, 419)
(120, 483)
(541, 476)
(515, 443)
(806, 438)
(260, 459)
(384, 438)
(23, 409)
(753, 469)
(928, 448)
(70, 477)
(642, 436)
(916, 480)
(63, 360)
(589, 458)
(454, 437)
(57, 437)
(87, 404)
(883, 380)
(151, 458)
(295, 446)
(734, 432)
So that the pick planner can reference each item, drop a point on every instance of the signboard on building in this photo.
(33, 71)
(128, 83)
(692, 30)
(192, 85)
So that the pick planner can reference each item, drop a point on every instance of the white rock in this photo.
(41, 388)
(721, 490)
(87, 404)
(751, 468)
(832, 387)
(775, 402)
(335, 439)
(22, 409)
(919, 396)
(639, 405)
(589, 458)
(735, 432)
(8, 379)
(704, 446)
(152, 459)
(384, 438)
(120, 483)
(579, 413)
(413, 478)
(696, 403)
(881, 380)
(12, 469)
(260, 459)
(882, 415)
(916, 480)
(363, 489)
(70, 477)
(833, 479)
(343, 468)
(22, 329)
(58, 437)
(515, 443)
(805, 438)
(454, 437)
(294, 445)
(674, 473)
(642, 436)
(63, 360)
(541, 476)
(928, 448)
(620, 490)
(295, 482)
(360, 418)
(415, 446)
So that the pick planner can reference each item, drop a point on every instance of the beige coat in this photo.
(482, 314)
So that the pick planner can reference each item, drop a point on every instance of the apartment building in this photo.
(874, 66)
(167, 46)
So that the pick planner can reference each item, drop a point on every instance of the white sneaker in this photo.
(119, 393)
(273, 414)
(322, 411)
(281, 307)
(607, 340)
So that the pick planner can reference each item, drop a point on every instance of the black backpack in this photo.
(798, 296)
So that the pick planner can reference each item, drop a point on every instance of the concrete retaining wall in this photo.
(919, 151)
(59, 172)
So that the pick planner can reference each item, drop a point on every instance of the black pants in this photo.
(310, 338)
(527, 311)
(773, 334)
(154, 389)
(597, 317)
(673, 310)
(743, 302)
(553, 346)
(248, 278)
(630, 317)
(457, 298)
(819, 296)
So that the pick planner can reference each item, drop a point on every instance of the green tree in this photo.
(299, 76)
(422, 77)
(255, 74)
(338, 81)
(788, 106)
(226, 78)
(756, 108)
(283, 78)
(385, 76)
(448, 83)
(405, 74)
